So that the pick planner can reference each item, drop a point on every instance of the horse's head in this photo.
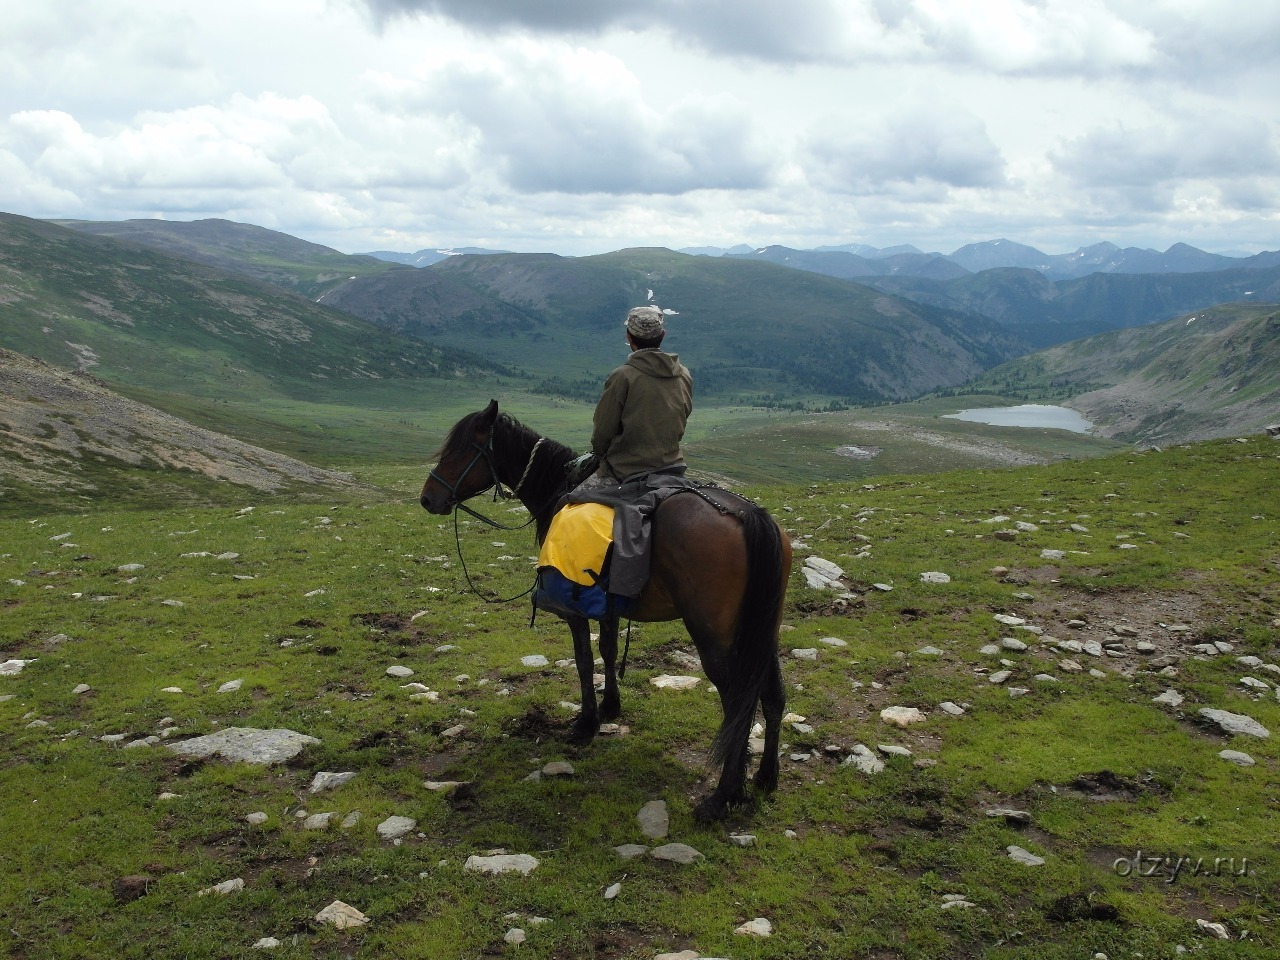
(465, 465)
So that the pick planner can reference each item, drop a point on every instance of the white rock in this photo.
(668, 682)
(1217, 929)
(342, 916)
(950, 708)
(399, 671)
(318, 821)
(393, 828)
(1236, 757)
(833, 642)
(893, 750)
(225, 887)
(534, 660)
(805, 653)
(81, 688)
(515, 936)
(558, 768)
(231, 686)
(933, 576)
(1000, 676)
(1052, 554)
(11, 668)
(330, 781)
(929, 651)
(1254, 683)
(246, 744)
(257, 818)
(612, 891)
(902, 716)
(824, 568)
(759, 927)
(1024, 856)
(742, 839)
(520, 863)
(1010, 643)
(266, 943)
(1236, 723)
(864, 760)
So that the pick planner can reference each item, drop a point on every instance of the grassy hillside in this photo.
(1208, 374)
(751, 329)
(109, 837)
(306, 268)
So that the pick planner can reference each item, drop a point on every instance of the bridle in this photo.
(485, 452)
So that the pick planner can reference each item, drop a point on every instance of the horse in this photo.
(719, 563)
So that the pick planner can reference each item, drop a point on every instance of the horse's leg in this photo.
(773, 701)
(588, 721)
(730, 791)
(610, 703)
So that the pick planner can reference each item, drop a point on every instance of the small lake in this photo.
(1042, 415)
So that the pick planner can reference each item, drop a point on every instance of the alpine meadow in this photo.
(254, 698)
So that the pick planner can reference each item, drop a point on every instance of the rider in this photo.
(641, 416)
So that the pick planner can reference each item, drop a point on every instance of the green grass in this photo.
(872, 857)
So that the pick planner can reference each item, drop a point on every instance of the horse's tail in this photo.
(755, 646)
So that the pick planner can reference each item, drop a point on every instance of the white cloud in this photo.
(913, 142)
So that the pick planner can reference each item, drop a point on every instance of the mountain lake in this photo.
(1041, 415)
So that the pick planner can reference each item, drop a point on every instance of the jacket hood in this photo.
(655, 363)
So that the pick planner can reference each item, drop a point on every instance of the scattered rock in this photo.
(1000, 676)
(534, 660)
(759, 927)
(929, 652)
(611, 892)
(742, 839)
(342, 916)
(231, 686)
(393, 828)
(1217, 929)
(515, 936)
(223, 888)
(833, 642)
(654, 819)
(952, 709)
(266, 943)
(628, 851)
(520, 863)
(1236, 757)
(668, 682)
(330, 781)
(1024, 856)
(864, 760)
(318, 821)
(246, 744)
(805, 653)
(675, 853)
(933, 576)
(902, 716)
(1011, 643)
(399, 671)
(1236, 723)
(558, 768)
(257, 818)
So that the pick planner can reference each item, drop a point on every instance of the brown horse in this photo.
(719, 563)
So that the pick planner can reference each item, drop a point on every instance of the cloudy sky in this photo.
(582, 126)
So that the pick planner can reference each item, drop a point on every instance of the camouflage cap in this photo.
(644, 323)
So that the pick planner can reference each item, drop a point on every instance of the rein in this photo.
(485, 453)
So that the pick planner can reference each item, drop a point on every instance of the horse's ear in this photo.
(488, 415)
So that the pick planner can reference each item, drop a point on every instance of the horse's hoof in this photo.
(580, 734)
(610, 710)
(766, 780)
(711, 810)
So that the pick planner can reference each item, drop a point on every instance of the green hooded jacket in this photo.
(642, 412)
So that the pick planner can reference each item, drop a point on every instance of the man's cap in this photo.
(644, 323)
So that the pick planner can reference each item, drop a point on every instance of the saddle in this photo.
(608, 576)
